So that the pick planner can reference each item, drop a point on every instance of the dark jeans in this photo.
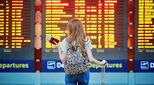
(82, 79)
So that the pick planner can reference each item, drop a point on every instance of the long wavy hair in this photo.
(76, 35)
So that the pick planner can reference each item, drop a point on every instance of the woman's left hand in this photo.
(103, 62)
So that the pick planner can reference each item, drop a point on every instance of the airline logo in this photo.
(145, 65)
(51, 65)
(54, 65)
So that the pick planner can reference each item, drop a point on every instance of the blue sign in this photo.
(111, 66)
(16, 65)
(144, 66)
(52, 66)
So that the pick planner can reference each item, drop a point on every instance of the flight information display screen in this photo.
(144, 30)
(16, 29)
(105, 23)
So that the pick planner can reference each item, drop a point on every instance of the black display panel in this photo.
(144, 30)
(105, 22)
(17, 29)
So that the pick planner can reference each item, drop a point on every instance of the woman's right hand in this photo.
(56, 45)
(103, 62)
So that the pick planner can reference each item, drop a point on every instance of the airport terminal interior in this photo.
(121, 32)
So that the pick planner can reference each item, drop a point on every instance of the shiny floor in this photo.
(48, 78)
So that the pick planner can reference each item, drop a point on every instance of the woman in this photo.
(76, 38)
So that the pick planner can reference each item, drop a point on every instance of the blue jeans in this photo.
(82, 79)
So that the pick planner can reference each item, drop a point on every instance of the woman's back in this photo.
(75, 62)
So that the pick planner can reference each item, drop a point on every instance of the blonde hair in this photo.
(76, 36)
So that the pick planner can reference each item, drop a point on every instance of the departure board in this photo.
(144, 29)
(16, 29)
(105, 23)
